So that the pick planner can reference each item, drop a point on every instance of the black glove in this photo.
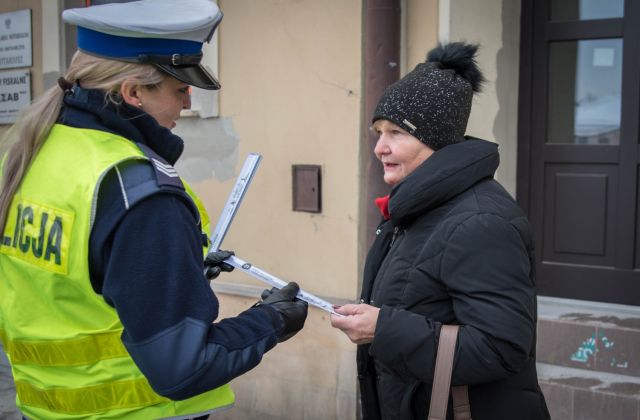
(214, 263)
(292, 310)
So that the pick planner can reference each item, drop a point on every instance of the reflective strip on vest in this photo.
(81, 351)
(91, 399)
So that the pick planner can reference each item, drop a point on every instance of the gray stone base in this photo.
(589, 367)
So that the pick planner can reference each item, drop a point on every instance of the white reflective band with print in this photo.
(279, 284)
(229, 211)
(234, 200)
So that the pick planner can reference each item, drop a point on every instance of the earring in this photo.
(140, 104)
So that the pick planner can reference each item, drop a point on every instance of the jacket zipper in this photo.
(396, 231)
(395, 234)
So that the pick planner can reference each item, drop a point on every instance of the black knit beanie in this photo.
(433, 101)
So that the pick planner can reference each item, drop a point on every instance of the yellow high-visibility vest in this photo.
(61, 338)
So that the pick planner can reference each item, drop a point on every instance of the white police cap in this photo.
(165, 33)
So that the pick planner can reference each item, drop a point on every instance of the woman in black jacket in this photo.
(453, 248)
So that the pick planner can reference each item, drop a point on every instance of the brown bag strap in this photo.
(442, 380)
(461, 407)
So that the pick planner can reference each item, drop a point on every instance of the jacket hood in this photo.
(445, 174)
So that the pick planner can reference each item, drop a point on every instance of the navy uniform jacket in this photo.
(146, 261)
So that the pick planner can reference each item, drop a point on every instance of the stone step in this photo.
(581, 394)
(589, 359)
(589, 336)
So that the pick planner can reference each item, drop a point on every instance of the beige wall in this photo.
(291, 91)
(291, 88)
(421, 30)
(495, 25)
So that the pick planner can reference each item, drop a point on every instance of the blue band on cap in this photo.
(114, 46)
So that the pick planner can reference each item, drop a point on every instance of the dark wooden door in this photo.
(578, 175)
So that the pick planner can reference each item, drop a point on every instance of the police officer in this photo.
(104, 308)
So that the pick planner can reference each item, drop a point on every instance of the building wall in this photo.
(495, 25)
(291, 91)
(291, 72)
(421, 30)
(37, 83)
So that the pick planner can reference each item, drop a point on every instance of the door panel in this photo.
(578, 177)
(578, 202)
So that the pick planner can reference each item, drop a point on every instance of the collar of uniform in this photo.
(88, 108)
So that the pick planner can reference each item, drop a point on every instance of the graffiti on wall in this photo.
(598, 342)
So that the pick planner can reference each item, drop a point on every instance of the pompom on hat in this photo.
(167, 34)
(433, 101)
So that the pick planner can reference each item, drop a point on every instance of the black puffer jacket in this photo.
(457, 250)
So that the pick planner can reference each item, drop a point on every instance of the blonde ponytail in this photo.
(26, 137)
(28, 134)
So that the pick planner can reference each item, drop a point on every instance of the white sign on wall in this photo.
(15, 39)
(15, 94)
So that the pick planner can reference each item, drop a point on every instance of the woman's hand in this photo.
(359, 322)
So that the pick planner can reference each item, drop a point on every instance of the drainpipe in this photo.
(381, 68)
